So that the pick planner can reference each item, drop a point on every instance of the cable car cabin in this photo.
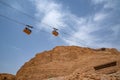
(27, 31)
(55, 33)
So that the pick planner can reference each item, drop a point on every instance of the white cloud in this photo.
(93, 30)
(100, 16)
(51, 14)
(107, 3)
(53, 18)
(46, 6)
(98, 1)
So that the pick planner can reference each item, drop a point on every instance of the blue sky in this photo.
(87, 23)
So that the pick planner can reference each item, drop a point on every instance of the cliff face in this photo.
(67, 62)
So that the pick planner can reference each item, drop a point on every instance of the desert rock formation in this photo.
(72, 63)
(5, 76)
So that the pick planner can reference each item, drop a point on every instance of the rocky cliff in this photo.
(72, 63)
(5, 76)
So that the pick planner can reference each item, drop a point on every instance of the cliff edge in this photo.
(71, 63)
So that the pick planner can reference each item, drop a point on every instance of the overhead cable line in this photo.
(13, 20)
(24, 13)
(28, 27)
(74, 40)
(68, 34)
(29, 31)
(4, 3)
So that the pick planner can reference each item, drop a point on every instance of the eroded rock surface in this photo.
(71, 63)
(5, 76)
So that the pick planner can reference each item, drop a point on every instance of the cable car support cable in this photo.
(24, 13)
(4, 3)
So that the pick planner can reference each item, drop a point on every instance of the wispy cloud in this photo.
(100, 16)
(50, 13)
(15, 48)
(98, 1)
(96, 30)
(107, 3)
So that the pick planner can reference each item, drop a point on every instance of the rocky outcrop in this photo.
(5, 76)
(71, 63)
(89, 76)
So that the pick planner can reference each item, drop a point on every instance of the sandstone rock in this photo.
(91, 76)
(5, 76)
(71, 63)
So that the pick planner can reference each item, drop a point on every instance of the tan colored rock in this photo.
(5, 76)
(71, 63)
(91, 76)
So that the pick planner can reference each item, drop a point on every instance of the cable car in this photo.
(27, 29)
(54, 32)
